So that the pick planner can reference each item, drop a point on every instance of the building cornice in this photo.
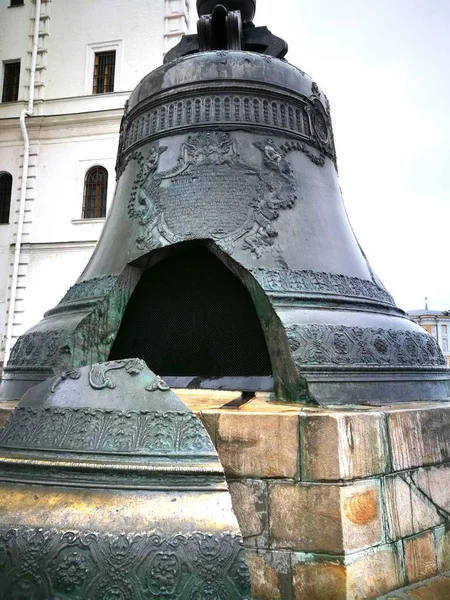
(34, 247)
(72, 125)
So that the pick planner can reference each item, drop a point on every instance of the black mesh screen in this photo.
(190, 316)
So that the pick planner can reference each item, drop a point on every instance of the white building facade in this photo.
(437, 324)
(90, 56)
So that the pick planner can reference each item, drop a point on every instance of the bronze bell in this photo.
(227, 259)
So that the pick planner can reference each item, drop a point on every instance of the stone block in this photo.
(210, 420)
(438, 589)
(361, 515)
(408, 511)
(442, 546)
(419, 436)
(324, 518)
(249, 498)
(270, 574)
(419, 557)
(343, 446)
(324, 580)
(305, 517)
(363, 575)
(254, 445)
(435, 483)
(373, 572)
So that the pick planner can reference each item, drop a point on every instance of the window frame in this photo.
(5, 63)
(7, 212)
(106, 75)
(104, 200)
(91, 51)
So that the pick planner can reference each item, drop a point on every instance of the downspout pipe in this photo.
(26, 112)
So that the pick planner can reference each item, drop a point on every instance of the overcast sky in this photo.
(385, 67)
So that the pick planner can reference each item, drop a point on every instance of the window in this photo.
(444, 329)
(11, 76)
(104, 68)
(16, 3)
(433, 331)
(5, 197)
(444, 345)
(95, 189)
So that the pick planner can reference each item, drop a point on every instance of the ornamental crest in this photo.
(211, 193)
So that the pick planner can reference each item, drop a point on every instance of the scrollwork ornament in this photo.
(70, 374)
(157, 384)
(97, 375)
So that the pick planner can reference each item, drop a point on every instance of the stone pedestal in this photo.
(334, 503)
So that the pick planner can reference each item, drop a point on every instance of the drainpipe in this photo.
(26, 112)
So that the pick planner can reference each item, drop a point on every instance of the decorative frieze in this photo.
(286, 116)
(97, 430)
(130, 566)
(332, 345)
(337, 345)
(91, 288)
(284, 281)
(37, 349)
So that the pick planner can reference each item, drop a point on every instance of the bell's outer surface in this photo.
(237, 148)
(114, 489)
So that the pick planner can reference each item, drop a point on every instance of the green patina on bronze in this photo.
(128, 496)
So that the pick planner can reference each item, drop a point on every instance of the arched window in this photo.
(95, 190)
(5, 196)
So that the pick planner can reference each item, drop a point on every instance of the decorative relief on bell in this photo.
(93, 288)
(38, 348)
(98, 565)
(225, 108)
(321, 345)
(77, 429)
(211, 193)
(290, 281)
